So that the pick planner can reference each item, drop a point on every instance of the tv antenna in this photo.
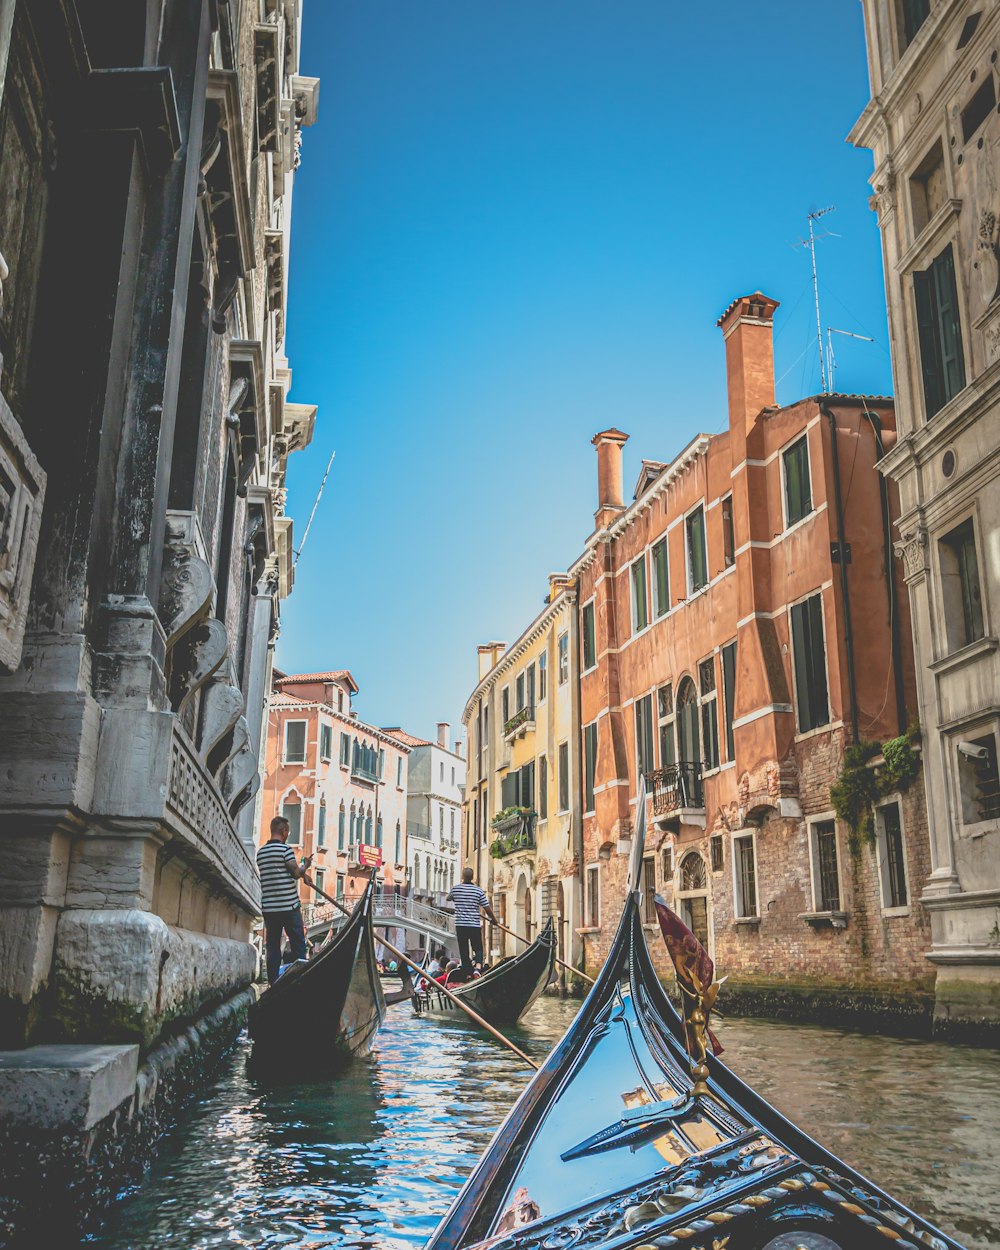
(831, 359)
(810, 243)
(319, 496)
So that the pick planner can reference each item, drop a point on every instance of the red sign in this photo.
(369, 856)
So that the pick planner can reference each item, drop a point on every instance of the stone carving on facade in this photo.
(22, 493)
(187, 585)
(883, 199)
(207, 646)
(233, 744)
(912, 550)
(221, 707)
(242, 771)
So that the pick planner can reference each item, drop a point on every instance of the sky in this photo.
(516, 223)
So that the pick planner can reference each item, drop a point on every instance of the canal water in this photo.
(372, 1158)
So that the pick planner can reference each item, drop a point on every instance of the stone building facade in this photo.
(740, 625)
(340, 782)
(933, 125)
(434, 791)
(145, 425)
(522, 805)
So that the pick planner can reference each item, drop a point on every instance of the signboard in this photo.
(369, 856)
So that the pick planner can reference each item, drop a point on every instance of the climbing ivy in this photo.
(859, 787)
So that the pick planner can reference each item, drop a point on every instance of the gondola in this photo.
(504, 993)
(633, 1135)
(328, 1008)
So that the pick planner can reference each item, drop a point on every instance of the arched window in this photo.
(342, 827)
(693, 872)
(416, 872)
(368, 828)
(693, 896)
(321, 824)
(291, 809)
(378, 833)
(354, 826)
(399, 843)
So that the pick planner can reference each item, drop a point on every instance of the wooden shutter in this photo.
(508, 791)
(930, 361)
(949, 325)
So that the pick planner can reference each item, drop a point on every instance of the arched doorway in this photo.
(688, 745)
(693, 897)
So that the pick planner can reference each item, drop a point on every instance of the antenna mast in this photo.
(319, 496)
(815, 216)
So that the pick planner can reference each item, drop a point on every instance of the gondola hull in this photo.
(502, 995)
(328, 1008)
(612, 1147)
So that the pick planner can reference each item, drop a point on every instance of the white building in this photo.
(934, 128)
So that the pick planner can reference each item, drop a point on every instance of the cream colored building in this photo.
(522, 801)
(934, 128)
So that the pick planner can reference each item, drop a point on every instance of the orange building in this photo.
(340, 782)
(740, 625)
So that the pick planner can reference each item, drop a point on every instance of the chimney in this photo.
(558, 582)
(443, 728)
(747, 326)
(610, 498)
(458, 747)
(489, 655)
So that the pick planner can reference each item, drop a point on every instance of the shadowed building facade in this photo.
(740, 626)
(146, 160)
(933, 125)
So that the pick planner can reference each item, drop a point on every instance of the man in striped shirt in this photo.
(279, 896)
(468, 899)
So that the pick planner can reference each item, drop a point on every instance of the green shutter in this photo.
(508, 790)
(697, 555)
(661, 579)
(729, 692)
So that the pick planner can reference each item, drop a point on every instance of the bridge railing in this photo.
(387, 907)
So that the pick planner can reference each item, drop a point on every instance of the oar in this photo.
(561, 962)
(473, 1015)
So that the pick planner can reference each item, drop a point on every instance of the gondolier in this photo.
(279, 896)
(469, 899)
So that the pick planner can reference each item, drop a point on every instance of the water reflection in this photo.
(372, 1157)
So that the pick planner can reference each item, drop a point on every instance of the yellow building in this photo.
(523, 793)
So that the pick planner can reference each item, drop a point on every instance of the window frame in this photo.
(649, 896)
(688, 518)
(321, 825)
(716, 851)
(589, 767)
(635, 600)
(287, 802)
(659, 583)
(802, 441)
(729, 697)
(824, 724)
(344, 757)
(946, 577)
(739, 902)
(813, 824)
(588, 607)
(889, 908)
(708, 713)
(543, 672)
(592, 896)
(325, 737)
(666, 721)
(286, 724)
(927, 318)
(543, 787)
(645, 754)
(562, 657)
(728, 531)
(562, 776)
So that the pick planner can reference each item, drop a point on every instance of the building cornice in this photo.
(565, 599)
(350, 721)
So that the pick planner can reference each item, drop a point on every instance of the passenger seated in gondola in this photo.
(434, 968)
(449, 976)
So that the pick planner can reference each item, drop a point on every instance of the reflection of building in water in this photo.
(522, 1210)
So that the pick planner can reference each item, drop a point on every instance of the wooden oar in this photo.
(561, 962)
(473, 1015)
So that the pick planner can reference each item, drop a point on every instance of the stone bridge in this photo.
(391, 912)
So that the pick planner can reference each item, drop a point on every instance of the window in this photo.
(809, 657)
(453, 776)
(295, 742)
(697, 554)
(484, 813)
(564, 776)
(728, 532)
(505, 704)
(665, 725)
(979, 108)
(914, 13)
(640, 607)
(543, 787)
(745, 867)
(649, 890)
(563, 653)
(517, 789)
(939, 332)
(798, 487)
(729, 691)
(826, 878)
(291, 809)
(661, 579)
(589, 764)
(667, 864)
(381, 765)
(979, 782)
(960, 586)
(716, 851)
(345, 750)
(379, 837)
(709, 712)
(341, 828)
(543, 668)
(891, 860)
(529, 677)
(485, 741)
(399, 772)
(589, 637)
(325, 741)
(320, 878)
(441, 823)
(341, 882)
(368, 828)
(592, 897)
(644, 735)
(321, 825)
(519, 691)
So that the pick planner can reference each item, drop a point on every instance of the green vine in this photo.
(860, 786)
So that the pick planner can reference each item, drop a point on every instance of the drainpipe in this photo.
(845, 593)
(890, 577)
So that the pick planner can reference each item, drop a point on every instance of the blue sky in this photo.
(516, 223)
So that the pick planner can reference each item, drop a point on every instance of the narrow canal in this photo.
(373, 1158)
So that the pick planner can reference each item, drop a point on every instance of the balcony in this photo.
(677, 790)
(515, 831)
(362, 772)
(414, 829)
(520, 723)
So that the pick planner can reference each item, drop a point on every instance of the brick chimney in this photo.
(610, 498)
(489, 655)
(443, 728)
(747, 326)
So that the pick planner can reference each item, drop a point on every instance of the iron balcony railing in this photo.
(676, 787)
(519, 720)
(414, 829)
(516, 833)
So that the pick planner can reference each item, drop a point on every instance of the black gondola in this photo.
(504, 993)
(327, 1008)
(622, 1140)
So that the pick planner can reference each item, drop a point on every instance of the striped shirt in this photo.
(279, 890)
(468, 899)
